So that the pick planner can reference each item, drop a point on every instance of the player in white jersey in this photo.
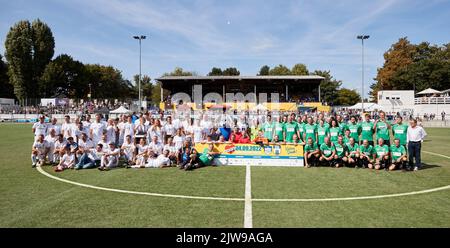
(67, 160)
(39, 151)
(156, 146)
(179, 138)
(121, 126)
(87, 123)
(104, 142)
(128, 150)
(197, 132)
(111, 131)
(58, 151)
(173, 151)
(155, 130)
(97, 129)
(85, 145)
(128, 128)
(51, 139)
(54, 125)
(168, 129)
(39, 127)
(161, 161)
(67, 128)
(110, 159)
(141, 152)
(91, 159)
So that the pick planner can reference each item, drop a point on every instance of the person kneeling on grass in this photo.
(185, 157)
(353, 153)
(398, 153)
(39, 151)
(340, 158)
(327, 151)
(312, 153)
(382, 155)
(67, 161)
(90, 159)
(110, 158)
(161, 161)
(366, 155)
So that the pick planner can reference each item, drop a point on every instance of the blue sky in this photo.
(197, 35)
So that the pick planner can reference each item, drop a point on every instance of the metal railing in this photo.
(432, 100)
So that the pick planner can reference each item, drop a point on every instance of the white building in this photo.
(405, 100)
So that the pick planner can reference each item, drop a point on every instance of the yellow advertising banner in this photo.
(252, 154)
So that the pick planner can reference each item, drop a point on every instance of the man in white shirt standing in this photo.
(54, 126)
(97, 129)
(40, 128)
(415, 136)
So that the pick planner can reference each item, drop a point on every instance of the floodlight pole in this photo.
(362, 38)
(140, 38)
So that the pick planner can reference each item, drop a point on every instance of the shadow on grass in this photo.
(426, 166)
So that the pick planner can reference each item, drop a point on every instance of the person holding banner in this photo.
(327, 151)
(312, 153)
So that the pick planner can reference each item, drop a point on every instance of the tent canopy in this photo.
(120, 110)
(369, 106)
(428, 91)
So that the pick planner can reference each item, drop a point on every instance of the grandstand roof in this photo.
(212, 78)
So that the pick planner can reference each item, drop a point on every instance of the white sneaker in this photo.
(416, 168)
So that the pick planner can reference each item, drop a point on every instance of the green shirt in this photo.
(326, 150)
(206, 158)
(342, 126)
(382, 130)
(290, 129)
(399, 132)
(322, 132)
(334, 134)
(368, 151)
(346, 140)
(397, 152)
(310, 131)
(300, 126)
(311, 148)
(381, 150)
(367, 131)
(268, 130)
(352, 149)
(355, 130)
(278, 128)
(340, 150)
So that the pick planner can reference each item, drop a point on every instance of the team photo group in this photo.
(157, 141)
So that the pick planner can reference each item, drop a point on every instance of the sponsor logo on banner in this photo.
(268, 150)
(230, 149)
(277, 150)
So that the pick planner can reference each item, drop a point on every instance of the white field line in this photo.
(249, 185)
(248, 217)
(437, 154)
(137, 192)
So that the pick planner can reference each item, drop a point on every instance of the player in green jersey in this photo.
(327, 151)
(355, 129)
(347, 137)
(278, 129)
(382, 126)
(366, 155)
(334, 131)
(353, 153)
(367, 130)
(340, 158)
(398, 154)
(341, 123)
(399, 131)
(290, 129)
(267, 128)
(381, 155)
(312, 153)
(310, 130)
(322, 132)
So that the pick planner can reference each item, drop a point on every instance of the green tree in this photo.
(329, 86)
(299, 69)
(7, 90)
(280, 70)
(108, 82)
(64, 76)
(146, 85)
(347, 97)
(29, 48)
(397, 58)
(156, 93)
(178, 71)
(231, 71)
(215, 72)
(264, 71)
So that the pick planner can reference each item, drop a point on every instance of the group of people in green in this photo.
(338, 143)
